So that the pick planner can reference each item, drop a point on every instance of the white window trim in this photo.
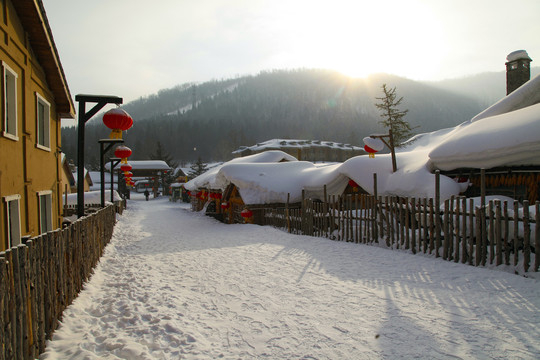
(15, 137)
(40, 194)
(7, 200)
(39, 99)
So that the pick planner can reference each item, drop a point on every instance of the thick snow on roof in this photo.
(295, 143)
(145, 165)
(270, 183)
(518, 54)
(207, 180)
(92, 197)
(501, 138)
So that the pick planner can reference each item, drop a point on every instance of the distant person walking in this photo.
(146, 194)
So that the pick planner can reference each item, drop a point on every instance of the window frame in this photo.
(46, 145)
(47, 197)
(9, 118)
(8, 200)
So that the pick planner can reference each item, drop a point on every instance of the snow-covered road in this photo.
(175, 284)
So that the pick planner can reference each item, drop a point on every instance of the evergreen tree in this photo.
(393, 117)
(161, 154)
(197, 169)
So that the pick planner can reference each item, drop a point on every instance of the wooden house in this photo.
(514, 172)
(35, 97)
(68, 179)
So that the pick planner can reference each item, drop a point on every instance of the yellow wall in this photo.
(26, 169)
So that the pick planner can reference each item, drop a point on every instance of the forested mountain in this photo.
(212, 119)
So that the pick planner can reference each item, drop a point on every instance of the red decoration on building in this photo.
(117, 120)
(246, 213)
(225, 205)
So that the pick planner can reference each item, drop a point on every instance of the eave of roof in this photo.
(32, 15)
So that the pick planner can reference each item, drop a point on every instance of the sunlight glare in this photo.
(358, 38)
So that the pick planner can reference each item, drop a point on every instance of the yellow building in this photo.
(35, 95)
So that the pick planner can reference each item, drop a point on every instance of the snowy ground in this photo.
(175, 284)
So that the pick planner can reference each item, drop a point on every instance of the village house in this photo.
(305, 150)
(514, 173)
(35, 97)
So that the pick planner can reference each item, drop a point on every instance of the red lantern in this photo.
(126, 167)
(225, 205)
(122, 152)
(370, 151)
(117, 120)
(218, 196)
(128, 174)
(246, 213)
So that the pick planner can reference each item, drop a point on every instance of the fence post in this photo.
(437, 212)
(376, 208)
(3, 309)
(445, 229)
(537, 237)
(464, 254)
(526, 237)
(413, 225)
(498, 236)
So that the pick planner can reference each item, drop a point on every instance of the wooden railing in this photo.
(39, 279)
(456, 231)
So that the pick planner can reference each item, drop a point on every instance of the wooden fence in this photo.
(457, 230)
(39, 279)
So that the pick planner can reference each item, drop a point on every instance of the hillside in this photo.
(212, 119)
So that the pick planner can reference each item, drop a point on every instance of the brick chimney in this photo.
(518, 70)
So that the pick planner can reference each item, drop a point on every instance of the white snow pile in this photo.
(174, 284)
(145, 165)
(207, 180)
(92, 197)
(506, 134)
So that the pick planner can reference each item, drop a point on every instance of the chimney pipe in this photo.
(518, 70)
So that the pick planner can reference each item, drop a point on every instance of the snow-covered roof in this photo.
(518, 54)
(275, 144)
(96, 177)
(145, 165)
(207, 180)
(92, 197)
(506, 134)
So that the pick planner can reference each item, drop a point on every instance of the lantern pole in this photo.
(114, 161)
(102, 151)
(389, 144)
(83, 117)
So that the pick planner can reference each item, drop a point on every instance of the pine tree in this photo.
(197, 169)
(393, 117)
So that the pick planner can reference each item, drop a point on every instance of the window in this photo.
(9, 79)
(43, 122)
(13, 220)
(45, 211)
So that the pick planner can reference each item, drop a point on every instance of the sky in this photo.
(134, 48)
